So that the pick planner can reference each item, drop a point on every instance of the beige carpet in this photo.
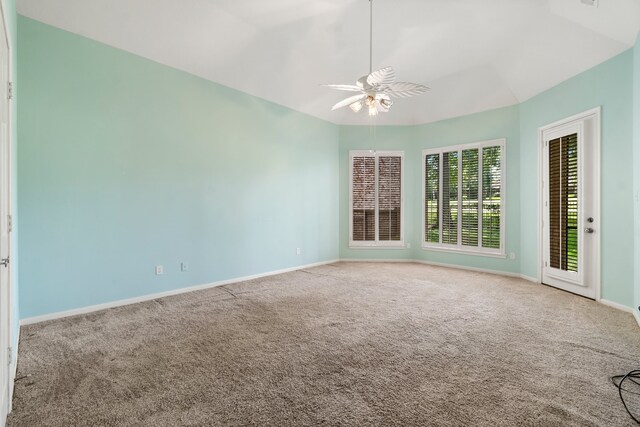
(343, 344)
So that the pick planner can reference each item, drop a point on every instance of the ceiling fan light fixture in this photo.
(372, 104)
(385, 105)
(376, 88)
(356, 106)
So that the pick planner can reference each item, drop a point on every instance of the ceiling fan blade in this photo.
(349, 88)
(405, 89)
(383, 76)
(377, 88)
(350, 100)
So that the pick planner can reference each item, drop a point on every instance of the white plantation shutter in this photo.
(376, 198)
(389, 197)
(491, 196)
(364, 200)
(469, 228)
(463, 198)
(432, 198)
(450, 197)
(563, 203)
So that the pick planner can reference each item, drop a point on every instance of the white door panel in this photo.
(570, 205)
(5, 197)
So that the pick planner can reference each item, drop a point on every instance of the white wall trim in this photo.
(442, 264)
(498, 273)
(616, 305)
(143, 298)
(530, 278)
(148, 297)
(467, 268)
(459, 250)
(621, 307)
(375, 260)
(10, 184)
(400, 245)
(13, 370)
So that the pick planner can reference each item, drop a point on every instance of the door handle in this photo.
(589, 230)
(5, 262)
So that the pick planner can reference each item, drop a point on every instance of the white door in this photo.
(571, 205)
(5, 197)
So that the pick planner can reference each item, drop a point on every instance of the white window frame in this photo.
(459, 248)
(373, 244)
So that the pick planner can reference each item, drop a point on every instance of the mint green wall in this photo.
(124, 164)
(377, 138)
(500, 123)
(488, 125)
(636, 169)
(608, 85)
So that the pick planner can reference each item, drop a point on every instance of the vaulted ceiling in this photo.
(475, 55)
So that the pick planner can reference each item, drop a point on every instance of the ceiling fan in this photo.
(376, 89)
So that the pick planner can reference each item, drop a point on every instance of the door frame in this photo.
(595, 114)
(4, 347)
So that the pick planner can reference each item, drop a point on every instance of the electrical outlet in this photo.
(512, 255)
(408, 245)
(184, 267)
(159, 270)
(298, 251)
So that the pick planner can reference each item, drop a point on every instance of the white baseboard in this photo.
(375, 260)
(612, 304)
(442, 264)
(465, 267)
(616, 305)
(621, 307)
(13, 370)
(530, 279)
(128, 301)
(148, 297)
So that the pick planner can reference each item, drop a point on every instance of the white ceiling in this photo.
(475, 55)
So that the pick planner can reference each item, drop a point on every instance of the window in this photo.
(376, 199)
(463, 203)
(563, 202)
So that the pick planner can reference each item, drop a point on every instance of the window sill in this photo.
(399, 245)
(501, 255)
